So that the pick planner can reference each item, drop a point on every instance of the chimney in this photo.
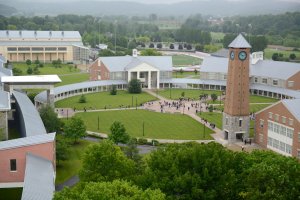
(134, 53)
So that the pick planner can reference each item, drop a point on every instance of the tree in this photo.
(61, 148)
(106, 52)
(210, 108)
(214, 97)
(150, 52)
(118, 133)
(105, 162)
(171, 46)
(50, 119)
(180, 47)
(275, 56)
(199, 47)
(181, 71)
(189, 47)
(36, 70)
(182, 94)
(134, 86)
(17, 71)
(75, 129)
(292, 56)
(159, 45)
(28, 62)
(113, 90)
(195, 71)
(118, 189)
(131, 150)
(36, 62)
(151, 45)
(29, 70)
(82, 99)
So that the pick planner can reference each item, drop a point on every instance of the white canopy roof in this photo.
(31, 79)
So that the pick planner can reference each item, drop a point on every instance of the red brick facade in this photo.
(295, 78)
(46, 150)
(98, 71)
(279, 109)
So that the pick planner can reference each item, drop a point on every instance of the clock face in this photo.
(232, 55)
(242, 55)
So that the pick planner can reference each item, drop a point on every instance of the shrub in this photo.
(28, 62)
(29, 70)
(159, 45)
(113, 90)
(134, 86)
(82, 99)
(154, 142)
(142, 141)
(171, 46)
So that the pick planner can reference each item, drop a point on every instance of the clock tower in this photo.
(236, 118)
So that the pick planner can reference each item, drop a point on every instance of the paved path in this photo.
(70, 182)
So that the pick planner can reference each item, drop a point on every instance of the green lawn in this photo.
(269, 52)
(216, 118)
(48, 68)
(253, 107)
(71, 167)
(176, 93)
(156, 125)
(72, 78)
(184, 60)
(11, 193)
(185, 75)
(253, 99)
(101, 99)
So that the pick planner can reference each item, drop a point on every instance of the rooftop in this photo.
(4, 101)
(39, 34)
(239, 42)
(27, 141)
(31, 79)
(293, 105)
(39, 178)
(32, 122)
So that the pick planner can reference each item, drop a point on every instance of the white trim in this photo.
(12, 185)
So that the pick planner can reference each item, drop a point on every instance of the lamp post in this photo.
(136, 103)
(204, 130)
(170, 90)
(98, 122)
(131, 101)
(143, 128)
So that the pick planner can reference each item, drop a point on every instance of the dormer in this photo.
(134, 53)
(257, 56)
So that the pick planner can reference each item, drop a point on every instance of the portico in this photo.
(147, 74)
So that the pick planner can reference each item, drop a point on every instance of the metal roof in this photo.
(263, 68)
(33, 123)
(39, 178)
(239, 42)
(293, 105)
(193, 81)
(39, 34)
(51, 79)
(120, 63)
(27, 141)
(5, 72)
(42, 97)
(284, 91)
(40, 43)
(4, 101)
(221, 53)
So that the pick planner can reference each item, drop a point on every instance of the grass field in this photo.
(101, 100)
(286, 54)
(11, 193)
(185, 75)
(184, 60)
(216, 118)
(176, 93)
(253, 99)
(72, 78)
(156, 125)
(71, 167)
(47, 69)
(253, 107)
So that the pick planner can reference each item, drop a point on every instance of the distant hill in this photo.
(213, 7)
(7, 10)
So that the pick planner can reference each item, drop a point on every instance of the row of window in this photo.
(276, 117)
(279, 145)
(282, 130)
(37, 49)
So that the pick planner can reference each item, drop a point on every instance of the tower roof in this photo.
(239, 42)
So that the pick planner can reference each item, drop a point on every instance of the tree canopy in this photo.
(134, 86)
(118, 133)
(75, 129)
(50, 119)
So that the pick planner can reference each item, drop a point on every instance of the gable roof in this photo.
(239, 42)
(293, 105)
(39, 178)
(121, 63)
(263, 68)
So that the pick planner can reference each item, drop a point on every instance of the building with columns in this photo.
(45, 46)
(150, 70)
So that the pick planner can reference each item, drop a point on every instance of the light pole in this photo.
(136, 103)
(132, 101)
(170, 90)
(143, 128)
(98, 122)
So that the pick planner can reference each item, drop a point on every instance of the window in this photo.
(255, 79)
(270, 126)
(275, 82)
(299, 137)
(264, 80)
(13, 165)
(289, 133)
(270, 115)
(283, 131)
(240, 122)
(291, 122)
(277, 117)
(276, 128)
(288, 149)
(270, 141)
(290, 83)
(284, 120)
(282, 146)
(261, 122)
(224, 77)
